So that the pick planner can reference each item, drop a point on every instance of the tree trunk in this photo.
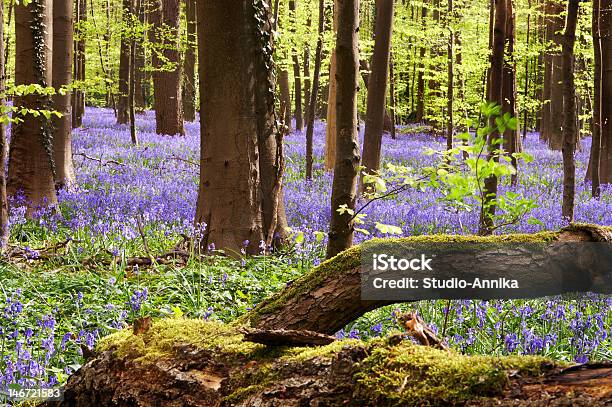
(167, 67)
(307, 78)
(450, 124)
(553, 91)
(285, 100)
(123, 116)
(240, 197)
(226, 369)
(605, 162)
(189, 93)
(377, 86)
(392, 95)
(62, 77)
(347, 145)
(511, 137)
(569, 110)
(132, 85)
(495, 88)
(4, 223)
(78, 95)
(331, 130)
(31, 167)
(420, 105)
(595, 157)
(337, 284)
(297, 76)
(315, 91)
(140, 100)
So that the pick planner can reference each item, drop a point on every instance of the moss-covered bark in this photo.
(196, 363)
(329, 297)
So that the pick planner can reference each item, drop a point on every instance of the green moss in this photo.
(391, 374)
(408, 374)
(351, 258)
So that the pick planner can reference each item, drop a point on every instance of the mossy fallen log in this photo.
(180, 362)
(329, 297)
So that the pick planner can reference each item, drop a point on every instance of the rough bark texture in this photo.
(569, 110)
(329, 297)
(377, 87)
(605, 162)
(347, 145)
(167, 74)
(123, 116)
(189, 90)
(240, 195)
(63, 25)
(31, 167)
(285, 99)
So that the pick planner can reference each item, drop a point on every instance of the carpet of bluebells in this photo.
(53, 309)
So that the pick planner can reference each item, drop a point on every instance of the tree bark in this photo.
(240, 196)
(420, 105)
(331, 130)
(377, 86)
(605, 162)
(31, 166)
(285, 100)
(569, 108)
(390, 371)
(63, 25)
(347, 145)
(495, 88)
(189, 93)
(595, 157)
(450, 124)
(307, 78)
(123, 116)
(315, 91)
(78, 95)
(167, 67)
(132, 86)
(512, 141)
(4, 223)
(329, 297)
(297, 76)
(553, 91)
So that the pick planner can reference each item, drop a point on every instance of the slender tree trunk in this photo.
(451, 77)
(307, 79)
(124, 65)
(63, 25)
(312, 106)
(495, 87)
(526, 88)
(347, 145)
(132, 84)
(297, 76)
(285, 100)
(4, 224)
(331, 130)
(595, 158)
(569, 107)
(553, 91)
(78, 95)
(420, 105)
(511, 138)
(167, 67)
(31, 167)
(377, 86)
(240, 196)
(189, 94)
(7, 47)
(392, 95)
(140, 100)
(605, 161)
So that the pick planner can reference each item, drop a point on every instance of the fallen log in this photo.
(180, 362)
(330, 296)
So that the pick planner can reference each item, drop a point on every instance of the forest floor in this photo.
(73, 283)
